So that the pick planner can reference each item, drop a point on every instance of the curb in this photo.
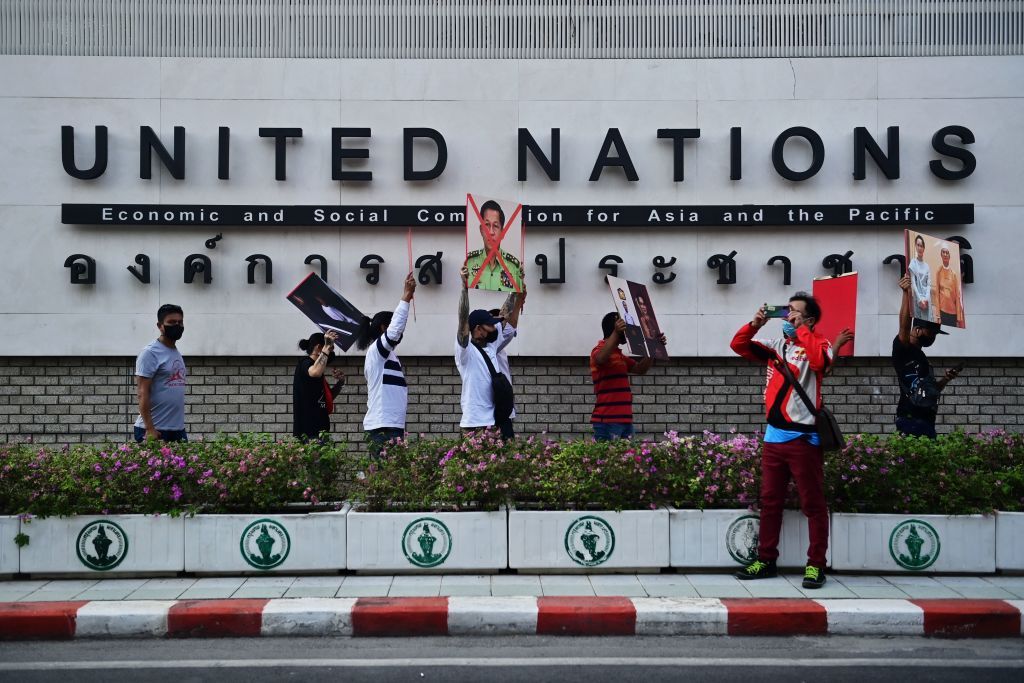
(489, 616)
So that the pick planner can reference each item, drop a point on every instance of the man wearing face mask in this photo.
(919, 388)
(476, 349)
(160, 378)
(791, 443)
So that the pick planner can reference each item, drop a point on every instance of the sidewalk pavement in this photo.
(625, 604)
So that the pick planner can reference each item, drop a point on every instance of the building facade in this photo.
(151, 146)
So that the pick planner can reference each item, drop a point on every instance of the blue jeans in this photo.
(609, 431)
(910, 426)
(165, 434)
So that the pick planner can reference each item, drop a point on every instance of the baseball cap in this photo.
(928, 325)
(481, 317)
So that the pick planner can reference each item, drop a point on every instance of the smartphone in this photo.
(781, 311)
(959, 367)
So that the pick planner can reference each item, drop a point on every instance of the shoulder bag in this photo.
(829, 433)
(503, 396)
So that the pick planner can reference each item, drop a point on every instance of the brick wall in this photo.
(69, 400)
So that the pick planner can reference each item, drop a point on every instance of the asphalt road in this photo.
(530, 659)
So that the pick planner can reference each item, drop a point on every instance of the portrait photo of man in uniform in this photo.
(490, 241)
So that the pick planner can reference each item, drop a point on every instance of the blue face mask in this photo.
(788, 329)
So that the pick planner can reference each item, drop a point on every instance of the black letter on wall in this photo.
(942, 147)
(223, 153)
(67, 153)
(148, 141)
(679, 137)
(888, 163)
(817, 153)
(552, 166)
(339, 153)
(408, 137)
(280, 136)
(621, 158)
(736, 154)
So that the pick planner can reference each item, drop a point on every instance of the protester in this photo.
(487, 400)
(921, 275)
(508, 323)
(791, 443)
(312, 398)
(387, 394)
(610, 369)
(919, 388)
(160, 379)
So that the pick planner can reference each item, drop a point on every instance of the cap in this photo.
(481, 317)
(928, 325)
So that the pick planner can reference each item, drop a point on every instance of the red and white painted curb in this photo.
(471, 616)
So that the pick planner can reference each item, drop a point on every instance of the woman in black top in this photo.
(312, 398)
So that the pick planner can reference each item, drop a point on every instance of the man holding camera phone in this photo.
(919, 388)
(792, 447)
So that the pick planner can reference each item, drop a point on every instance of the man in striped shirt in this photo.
(610, 370)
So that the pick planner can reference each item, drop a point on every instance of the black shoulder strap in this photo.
(487, 359)
(788, 374)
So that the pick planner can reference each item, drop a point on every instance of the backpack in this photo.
(501, 388)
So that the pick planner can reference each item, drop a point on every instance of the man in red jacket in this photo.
(791, 443)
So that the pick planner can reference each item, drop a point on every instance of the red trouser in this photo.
(806, 464)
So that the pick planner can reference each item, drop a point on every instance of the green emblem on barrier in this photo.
(589, 541)
(101, 545)
(741, 538)
(265, 544)
(914, 545)
(426, 542)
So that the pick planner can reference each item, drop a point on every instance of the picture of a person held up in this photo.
(491, 238)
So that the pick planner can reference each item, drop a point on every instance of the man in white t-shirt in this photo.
(508, 323)
(476, 353)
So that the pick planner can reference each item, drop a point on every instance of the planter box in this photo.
(588, 541)
(427, 542)
(9, 528)
(1010, 540)
(914, 543)
(266, 543)
(728, 538)
(109, 545)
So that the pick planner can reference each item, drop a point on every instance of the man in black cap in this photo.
(476, 349)
(919, 388)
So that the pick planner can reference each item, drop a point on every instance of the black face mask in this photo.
(174, 332)
(491, 337)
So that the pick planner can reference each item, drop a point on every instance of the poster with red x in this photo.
(494, 244)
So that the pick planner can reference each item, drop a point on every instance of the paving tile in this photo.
(265, 587)
(213, 589)
(365, 587)
(10, 591)
(851, 581)
(772, 588)
(415, 586)
(504, 585)
(465, 586)
(725, 578)
(1010, 584)
(314, 587)
(612, 585)
(911, 580)
(112, 589)
(162, 589)
(672, 590)
(984, 592)
(878, 592)
(60, 590)
(566, 585)
(831, 589)
(722, 590)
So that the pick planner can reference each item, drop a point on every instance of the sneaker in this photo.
(758, 570)
(814, 577)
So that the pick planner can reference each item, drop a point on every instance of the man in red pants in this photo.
(791, 443)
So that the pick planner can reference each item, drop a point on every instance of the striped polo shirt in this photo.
(614, 397)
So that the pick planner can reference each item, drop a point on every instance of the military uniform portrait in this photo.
(490, 241)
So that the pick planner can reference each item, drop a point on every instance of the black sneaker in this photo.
(814, 577)
(758, 570)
